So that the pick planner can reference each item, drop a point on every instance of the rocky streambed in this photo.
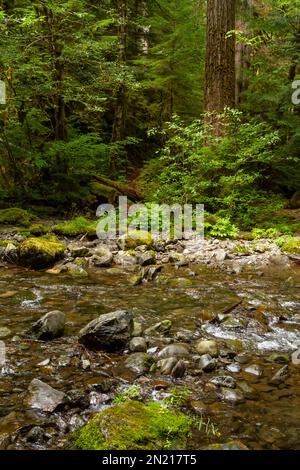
(210, 329)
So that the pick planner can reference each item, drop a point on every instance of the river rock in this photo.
(40, 253)
(10, 253)
(172, 366)
(72, 269)
(280, 376)
(254, 369)
(231, 396)
(163, 327)
(146, 259)
(124, 258)
(111, 331)
(44, 397)
(138, 344)
(207, 363)
(174, 350)
(35, 434)
(102, 257)
(140, 363)
(4, 332)
(48, 327)
(78, 251)
(220, 255)
(224, 381)
(207, 347)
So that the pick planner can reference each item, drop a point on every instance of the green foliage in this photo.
(292, 246)
(178, 396)
(229, 174)
(15, 216)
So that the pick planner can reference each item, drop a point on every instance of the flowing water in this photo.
(266, 304)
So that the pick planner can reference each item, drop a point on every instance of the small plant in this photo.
(259, 233)
(178, 396)
(132, 393)
(243, 250)
(207, 426)
(75, 227)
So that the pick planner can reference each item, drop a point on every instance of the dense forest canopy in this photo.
(183, 101)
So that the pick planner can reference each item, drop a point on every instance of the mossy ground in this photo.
(132, 426)
(41, 252)
(76, 227)
(15, 216)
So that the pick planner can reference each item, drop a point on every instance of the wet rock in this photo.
(134, 239)
(242, 358)
(40, 253)
(150, 273)
(98, 399)
(280, 260)
(254, 369)
(179, 370)
(44, 397)
(235, 368)
(137, 329)
(48, 327)
(232, 396)
(146, 259)
(280, 376)
(72, 269)
(78, 251)
(4, 332)
(162, 327)
(10, 253)
(124, 258)
(5, 440)
(279, 358)
(138, 344)
(224, 381)
(183, 335)
(246, 389)
(2, 353)
(167, 365)
(140, 363)
(110, 332)
(207, 363)
(179, 259)
(231, 321)
(136, 280)
(76, 422)
(174, 350)
(102, 257)
(207, 347)
(35, 434)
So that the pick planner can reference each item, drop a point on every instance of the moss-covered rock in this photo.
(292, 246)
(15, 216)
(40, 253)
(132, 426)
(38, 229)
(135, 238)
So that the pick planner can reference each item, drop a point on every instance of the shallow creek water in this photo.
(268, 303)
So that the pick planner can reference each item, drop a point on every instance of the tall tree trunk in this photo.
(220, 56)
(120, 95)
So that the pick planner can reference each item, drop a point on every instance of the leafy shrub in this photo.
(230, 175)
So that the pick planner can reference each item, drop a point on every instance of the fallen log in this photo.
(123, 189)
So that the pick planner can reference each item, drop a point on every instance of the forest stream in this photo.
(253, 317)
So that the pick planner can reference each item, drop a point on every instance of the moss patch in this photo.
(15, 216)
(292, 246)
(40, 253)
(76, 227)
(134, 239)
(38, 229)
(132, 426)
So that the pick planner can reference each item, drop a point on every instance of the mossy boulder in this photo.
(134, 239)
(134, 426)
(292, 247)
(15, 216)
(40, 253)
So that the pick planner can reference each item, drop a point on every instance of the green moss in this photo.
(40, 252)
(242, 250)
(15, 216)
(135, 238)
(76, 227)
(38, 229)
(4, 243)
(132, 426)
(292, 246)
